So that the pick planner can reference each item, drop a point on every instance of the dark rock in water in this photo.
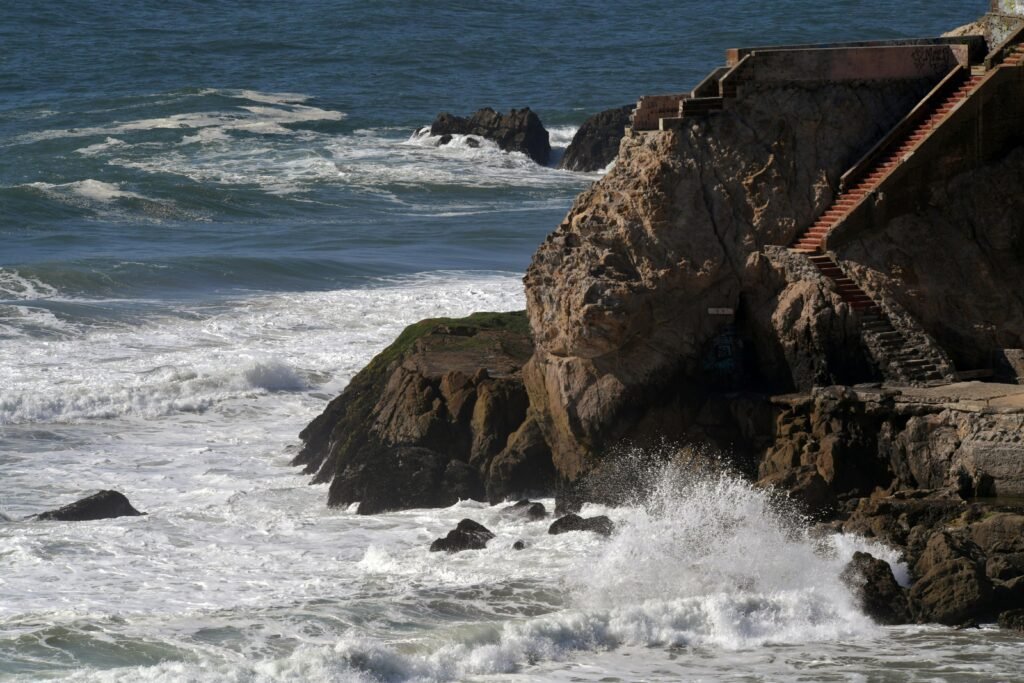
(1012, 620)
(472, 142)
(874, 585)
(102, 505)
(528, 509)
(444, 140)
(519, 545)
(572, 522)
(433, 419)
(596, 143)
(467, 535)
(518, 131)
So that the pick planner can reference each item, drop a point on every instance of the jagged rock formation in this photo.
(518, 131)
(596, 143)
(440, 415)
(967, 561)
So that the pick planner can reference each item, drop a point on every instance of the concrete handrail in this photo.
(998, 54)
(900, 130)
(731, 75)
(710, 82)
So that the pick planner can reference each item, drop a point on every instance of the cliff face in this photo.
(619, 297)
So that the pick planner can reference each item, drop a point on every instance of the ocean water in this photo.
(213, 214)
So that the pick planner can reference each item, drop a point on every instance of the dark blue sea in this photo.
(213, 214)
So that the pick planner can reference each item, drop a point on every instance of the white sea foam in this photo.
(705, 564)
(89, 189)
(14, 286)
(194, 362)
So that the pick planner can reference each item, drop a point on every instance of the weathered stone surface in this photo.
(102, 505)
(467, 535)
(951, 587)
(518, 131)
(423, 423)
(875, 587)
(596, 143)
(573, 522)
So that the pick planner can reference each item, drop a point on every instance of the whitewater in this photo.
(212, 217)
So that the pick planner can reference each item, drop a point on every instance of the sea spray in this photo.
(700, 559)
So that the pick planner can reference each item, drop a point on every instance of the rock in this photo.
(804, 485)
(519, 545)
(1012, 620)
(467, 535)
(518, 131)
(102, 505)
(528, 509)
(875, 587)
(523, 467)
(428, 422)
(661, 285)
(951, 586)
(572, 522)
(596, 143)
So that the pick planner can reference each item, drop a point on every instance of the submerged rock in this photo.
(596, 143)
(573, 522)
(528, 509)
(519, 545)
(875, 587)
(467, 535)
(518, 131)
(102, 505)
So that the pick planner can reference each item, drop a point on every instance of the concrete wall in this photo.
(911, 62)
(984, 128)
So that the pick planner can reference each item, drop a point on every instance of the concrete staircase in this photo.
(812, 241)
(903, 353)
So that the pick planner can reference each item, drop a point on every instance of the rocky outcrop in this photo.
(440, 415)
(966, 439)
(467, 535)
(875, 588)
(596, 143)
(102, 505)
(518, 131)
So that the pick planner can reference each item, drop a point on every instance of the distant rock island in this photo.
(812, 262)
